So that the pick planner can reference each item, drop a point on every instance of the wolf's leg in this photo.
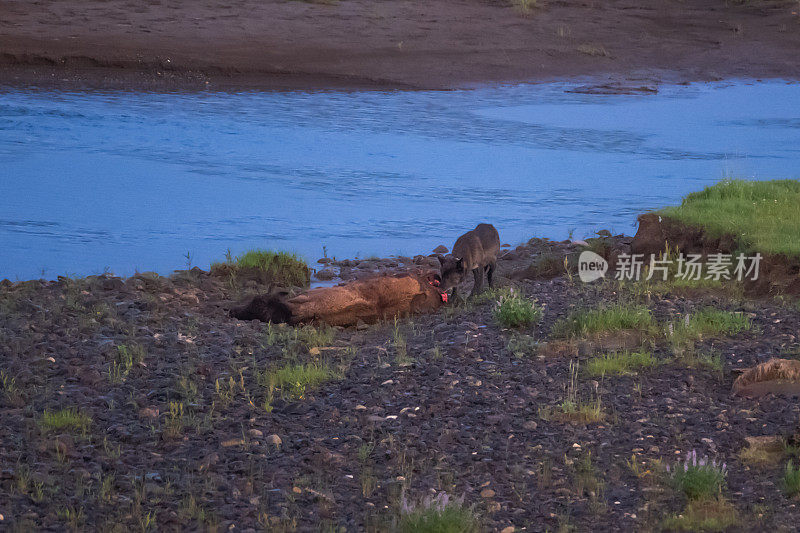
(478, 273)
(490, 272)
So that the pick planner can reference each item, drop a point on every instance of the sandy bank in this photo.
(367, 44)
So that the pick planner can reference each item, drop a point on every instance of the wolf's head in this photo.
(453, 271)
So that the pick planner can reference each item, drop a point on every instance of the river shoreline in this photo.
(357, 44)
(167, 415)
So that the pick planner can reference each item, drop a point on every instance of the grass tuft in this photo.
(699, 479)
(306, 336)
(708, 322)
(515, 311)
(294, 380)
(791, 480)
(619, 363)
(280, 268)
(437, 514)
(704, 515)
(65, 419)
(764, 216)
(615, 318)
(573, 408)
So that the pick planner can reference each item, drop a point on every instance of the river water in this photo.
(127, 181)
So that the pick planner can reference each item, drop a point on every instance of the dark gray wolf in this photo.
(474, 251)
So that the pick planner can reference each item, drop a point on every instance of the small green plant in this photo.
(586, 476)
(437, 514)
(516, 311)
(636, 466)
(615, 318)
(8, 386)
(400, 346)
(112, 451)
(619, 363)
(698, 479)
(106, 490)
(791, 480)
(365, 451)
(65, 419)
(491, 295)
(74, 517)
(294, 380)
(572, 408)
(436, 352)
(175, 421)
(522, 345)
(126, 358)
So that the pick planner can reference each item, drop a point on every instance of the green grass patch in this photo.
(491, 295)
(280, 268)
(295, 380)
(704, 515)
(586, 322)
(791, 480)
(619, 363)
(437, 515)
(69, 419)
(764, 216)
(575, 411)
(516, 311)
(292, 337)
(709, 322)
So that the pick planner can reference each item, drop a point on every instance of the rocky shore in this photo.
(139, 403)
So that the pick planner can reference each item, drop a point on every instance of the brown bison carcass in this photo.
(367, 300)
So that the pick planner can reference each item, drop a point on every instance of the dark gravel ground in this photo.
(432, 403)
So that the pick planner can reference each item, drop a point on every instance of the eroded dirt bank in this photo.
(367, 44)
(180, 429)
(777, 274)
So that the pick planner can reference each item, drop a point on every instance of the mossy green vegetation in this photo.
(614, 318)
(763, 215)
(280, 268)
(619, 363)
